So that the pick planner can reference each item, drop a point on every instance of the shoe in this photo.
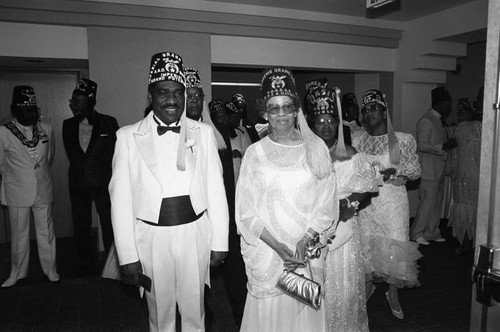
(54, 277)
(422, 241)
(399, 314)
(440, 240)
(11, 281)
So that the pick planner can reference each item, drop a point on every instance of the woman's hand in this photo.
(347, 212)
(388, 173)
(281, 249)
(291, 262)
(300, 249)
(397, 180)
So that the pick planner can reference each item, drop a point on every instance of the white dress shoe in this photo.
(399, 314)
(54, 277)
(422, 241)
(9, 282)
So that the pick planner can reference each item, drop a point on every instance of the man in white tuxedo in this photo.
(432, 147)
(26, 152)
(169, 209)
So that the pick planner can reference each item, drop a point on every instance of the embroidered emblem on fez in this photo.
(323, 104)
(166, 66)
(86, 87)
(278, 82)
(24, 96)
(374, 96)
(217, 106)
(324, 101)
(313, 84)
(231, 107)
(238, 98)
(192, 78)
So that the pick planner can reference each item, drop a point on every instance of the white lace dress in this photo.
(277, 191)
(345, 302)
(385, 222)
(466, 180)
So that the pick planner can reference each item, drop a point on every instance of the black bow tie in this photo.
(90, 118)
(163, 129)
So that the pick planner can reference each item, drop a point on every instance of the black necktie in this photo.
(163, 129)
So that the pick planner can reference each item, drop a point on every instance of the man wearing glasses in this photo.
(89, 140)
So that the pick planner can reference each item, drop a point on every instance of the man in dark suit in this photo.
(89, 139)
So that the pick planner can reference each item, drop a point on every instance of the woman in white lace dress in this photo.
(385, 223)
(466, 177)
(345, 302)
(283, 199)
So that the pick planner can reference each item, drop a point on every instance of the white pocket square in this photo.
(102, 135)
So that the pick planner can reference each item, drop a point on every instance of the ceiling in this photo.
(401, 10)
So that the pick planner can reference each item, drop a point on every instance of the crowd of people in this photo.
(316, 188)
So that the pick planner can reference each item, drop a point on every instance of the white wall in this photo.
(232, 50)
(43, 41)
(119, 61)
(421, 37)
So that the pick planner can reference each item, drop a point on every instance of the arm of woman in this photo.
(282, 250)
(248, 199)
(343, 234)
(409, 159)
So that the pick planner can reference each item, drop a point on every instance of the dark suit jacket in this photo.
(347, 135)
(92, 168)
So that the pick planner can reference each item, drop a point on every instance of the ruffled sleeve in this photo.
(326, 207)
(410, 166)
(356, 175)
(247, 198)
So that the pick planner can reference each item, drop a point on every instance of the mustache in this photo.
(169, 104)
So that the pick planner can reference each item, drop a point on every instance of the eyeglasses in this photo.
(371, 109)
(195, 97)
(329, 121)
(274, 109)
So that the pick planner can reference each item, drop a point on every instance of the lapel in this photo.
(74, 129)
(438, 125)
(144, 140)
(95, 132)
(18, 142)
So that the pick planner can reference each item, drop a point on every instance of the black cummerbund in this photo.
(176, 211)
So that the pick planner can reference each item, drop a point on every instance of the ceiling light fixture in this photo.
(235, 84)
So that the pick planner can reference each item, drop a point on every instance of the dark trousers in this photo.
(81, 209)
(234, 275)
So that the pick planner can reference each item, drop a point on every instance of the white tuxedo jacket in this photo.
(430, 137)
(22, 183)
(136, 193)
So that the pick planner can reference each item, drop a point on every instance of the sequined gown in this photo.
(385, 223)
(345, 302)
(466, 180)
(277, 191)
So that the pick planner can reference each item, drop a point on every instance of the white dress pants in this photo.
(426, 223)
(20, 239)
(177, 260)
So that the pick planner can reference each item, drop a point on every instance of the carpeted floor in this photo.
(441, 303)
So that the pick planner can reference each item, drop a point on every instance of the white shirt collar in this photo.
(436, 113)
